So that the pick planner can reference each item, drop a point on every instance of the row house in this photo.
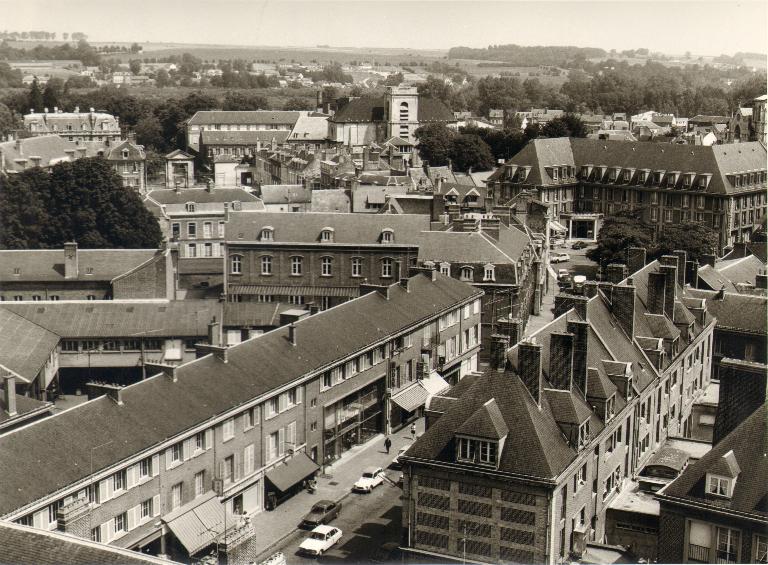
(74, 126)
(715, 511)
(520, 464)
(321, 258)
(86, 274)
(193, 221)
(233, 431)
(585, 179)
(238, 121)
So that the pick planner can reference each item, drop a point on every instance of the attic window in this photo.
(190, 206)
(555, 173)
(125, 153)
(466, 274)
(719, 486)
(584, 435)
(89, 270)
(267, 234)
(326, 235)
(387, 236)
(16, 270)
(477, 451)
(489, 273)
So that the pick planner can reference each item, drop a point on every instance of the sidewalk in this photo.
(334, 484)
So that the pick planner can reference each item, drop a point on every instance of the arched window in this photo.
(387, 236)
(489, 273)
(326, 266)
(236, 264)
(266, 265)
(326, 235)
(404, 111)
(267, 233)
(466, 273)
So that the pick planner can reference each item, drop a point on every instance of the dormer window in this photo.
(610, 407)
(388, 236)
(190, 206)
(466, 274)
(584, 435)
(627, 176)
(477, 451)
(125, 153)
(326, 236)
(719, 486)
(489, 273)
(555, 173)
(267, 234)
(445, 269)
(643, 176)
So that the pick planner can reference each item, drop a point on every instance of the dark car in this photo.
(579, 245)
(322, 513)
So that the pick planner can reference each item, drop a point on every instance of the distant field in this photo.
(493, 68)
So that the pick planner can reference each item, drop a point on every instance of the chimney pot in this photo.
(71, 266)
(10, 394)
(292, 334)
(214, 335)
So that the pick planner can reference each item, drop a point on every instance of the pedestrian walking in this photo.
(413, 431)
(387, 444)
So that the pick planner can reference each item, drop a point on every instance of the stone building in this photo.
(130, 162)
(74, 126)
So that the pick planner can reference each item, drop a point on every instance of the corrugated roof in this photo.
(156, 409)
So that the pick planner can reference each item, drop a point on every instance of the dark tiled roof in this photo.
(24, 346)
(51, 149)
(486, 422)
(286, 194)
(741, 270)
(115, 318)
(254, 117)
(661, 326)
(305, 227)
(741, 312)
(201, 196)
(407, 204)
(567, 406)
(714, 280)
(156, 409)
(135, 152)
(23, 545)
(216, 137)
(25, 406)
(749, 443)
(48, 264)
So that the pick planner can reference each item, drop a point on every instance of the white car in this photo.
(372, 477)
(563, 274)
(559, 258)
(320, 540)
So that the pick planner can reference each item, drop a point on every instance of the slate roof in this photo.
(407, 204)
(157, 408)
(739, 312)
(741, 270)
(237, 138)
(48, 264)
(24, 346)
(331, 200)
(472, 247)
(365, 110)
(250, 117)
(202, 196)
(714, 280)
(749, 443)
(309, 128)
(135, 152)
(305, 227)
(22, 545)
(25, 407)
(567, 407)
(51, 149)
(486, 422)
(118, 318)
(254, 313)
(286, 194)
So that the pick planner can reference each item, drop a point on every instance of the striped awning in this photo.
(411, 398)
(557, 226)
(288, 290)
(434, 383)
(294, 470)
(197, 527)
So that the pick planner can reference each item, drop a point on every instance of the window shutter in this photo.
(238, 466)
(108, 487)
(208, 438)
(132, 474)
(248, 463)
(282, 401)
(281, 442)
(155, 465)
(168, 459)
(299, 394)
(106, 531)
(37, 519)
(222, 470)
(132, 521)
(188, 448)
(103, 491)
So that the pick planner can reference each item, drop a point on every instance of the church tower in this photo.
(402, 112)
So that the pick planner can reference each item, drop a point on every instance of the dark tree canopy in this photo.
(81, 201)
(695, 238)
(297, 104)
(470, 152)
(435, 143)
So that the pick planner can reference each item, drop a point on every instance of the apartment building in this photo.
(219, 436)
(715, 511)
(583, 180)
(521, 463)
(279, 122)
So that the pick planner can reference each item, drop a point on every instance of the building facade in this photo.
(74, 126)
(279, 122)
(130, 162)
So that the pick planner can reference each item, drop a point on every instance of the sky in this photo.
(673, 27)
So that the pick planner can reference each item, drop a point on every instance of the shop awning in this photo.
(288, 290)
(295, 469)
(434, 383)
(197, 527)
(557, 226)
(411, 398)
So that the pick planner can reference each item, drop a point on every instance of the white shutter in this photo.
(106, 531)
(168, 460)
(103, 491)
(222, 471)
(132, 522)
(281, 442)
(155, 464)
(248, 454)
(156, 504)
(208, 438)
(188, 448)
(299, 394)
(132, 475)
(282, 402)
(37, 519)
(108, 488)
(238, 467)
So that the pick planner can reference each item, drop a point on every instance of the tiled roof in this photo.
(331, 200)
(486, 422)
(305, 227)
(24, 346)
(568, 407)
(741, 270)
(309, 128)
(472, 247)
(25, 407)
(201, 196)
(363, 110)
(407, 204)
(250, 117)
(157, 408)
(48, 264)
(741, 312)
(222, 138)
(117, 318)
(135, 152)
(51, 149)
(749, 443)
(286, 194)
(714, 280)
(22, 545)
(254, 313)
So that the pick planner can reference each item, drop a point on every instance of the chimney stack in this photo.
(561, 360)
(490, 227)
(682, 262)
(499, 346)
(623, 306)
(529, 367)
(71, 269)
(214, 335)
(590, 289)
(292, 334)
(580, 331)
(635, 259)
(761, 279)
(707, 259)
(616, 272)
(10, 394)
(670, 289)
(656, 292)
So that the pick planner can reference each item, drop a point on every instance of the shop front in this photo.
(353, 420)
(287, 478)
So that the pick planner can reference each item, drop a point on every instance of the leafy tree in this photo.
(436, 88)
(135, 48)
(162, 79)
(24, 209)
(155, 164)
(9, 121)
(617, 234)
(135, 66)
(296, 103)
(243, 101)
(568, 125)
(435, 142)
(35, 96)
(394, 79)
(52, 93)
(695, 238)
(469, 151)
(149, 133)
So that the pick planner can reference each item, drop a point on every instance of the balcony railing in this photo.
(726, 556)
(698, 553)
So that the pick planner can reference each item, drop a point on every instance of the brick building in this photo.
(520, 464)
(585, 179)
(715, 512)
(218, 436)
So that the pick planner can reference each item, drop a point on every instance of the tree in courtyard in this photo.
(565, 126)
(435, 141)
(468, 151)
(9, 120)
(135, 66)
(695, 238)
(617, 234)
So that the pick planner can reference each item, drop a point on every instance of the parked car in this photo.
(372, 477)
(579, 245)
(559, 258)
(321, 513)
(563, 274)
(556, 241)
(320, 540)
(396, 463)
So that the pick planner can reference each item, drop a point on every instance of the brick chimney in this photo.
(656, 292)
(580, 331)
(682, 261)
(616, 272)
(561, 360)
(499, 346)
(9, 391)
(670, 289)
(590, 289)
(490, 227)
(579, 303)
(512, 327)
(214, 335)
(529, 367)
(623, 306)
(635, 259)
(707, 259)
(71, 269)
